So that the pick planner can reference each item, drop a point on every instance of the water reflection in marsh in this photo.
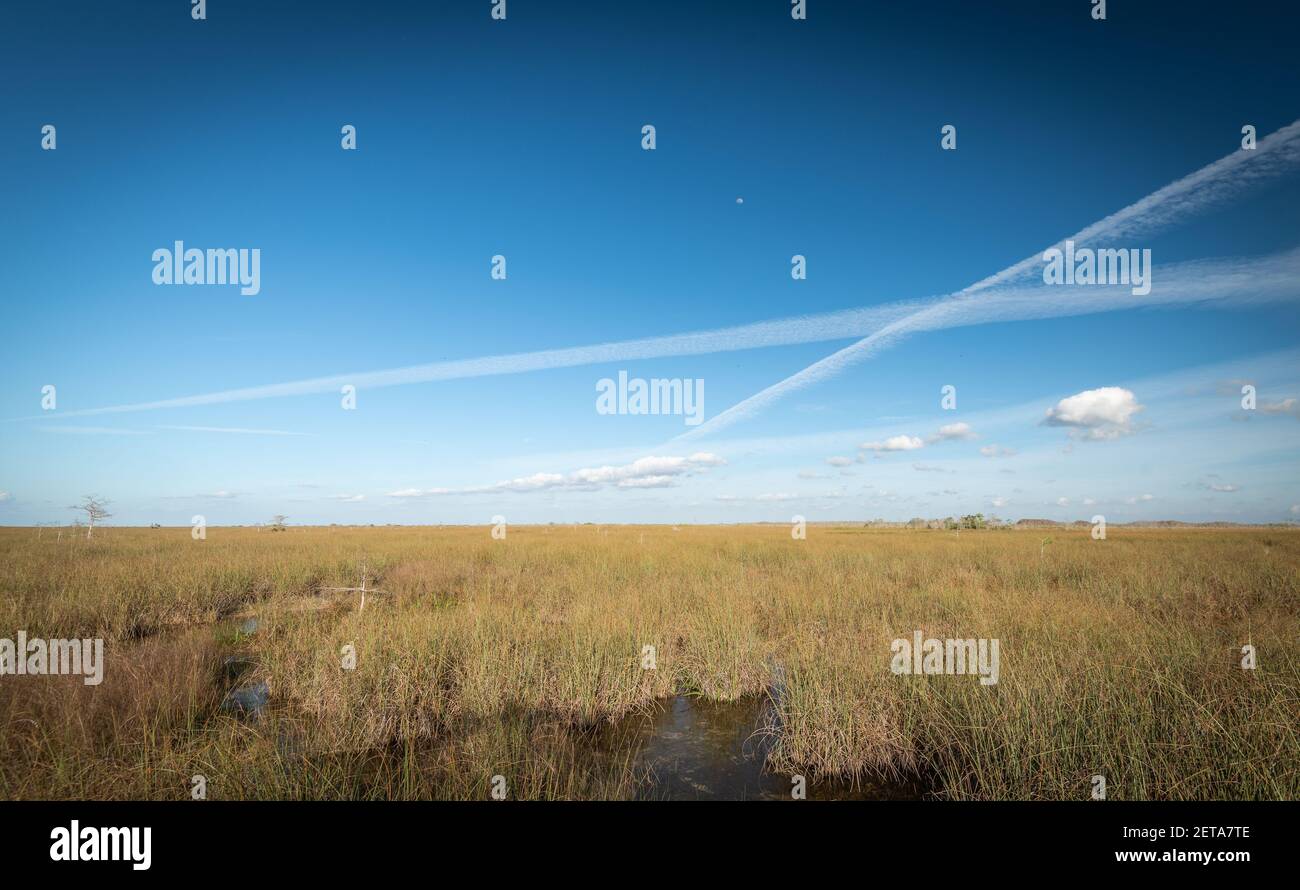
(242, 697)
(695, 749)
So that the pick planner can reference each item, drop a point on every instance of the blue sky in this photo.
(522, 138)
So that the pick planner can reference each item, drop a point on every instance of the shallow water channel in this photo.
(687, 748)
(696, 749)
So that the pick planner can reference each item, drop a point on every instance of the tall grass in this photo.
(483, 657)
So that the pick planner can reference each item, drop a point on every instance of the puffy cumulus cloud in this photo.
(949, 432)
(953, 431)
(894, 443)
(1098, 414)
(645, 472)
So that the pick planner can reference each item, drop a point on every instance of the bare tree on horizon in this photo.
(96, 510)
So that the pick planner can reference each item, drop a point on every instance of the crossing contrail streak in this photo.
(882, 325)
(1235, 283)
(1274, 155)
(979, 303)
(780, 332)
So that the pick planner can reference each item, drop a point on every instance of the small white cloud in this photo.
(646, 482)
(646, 472)
(535, 482)
(1139, 499)
(894, 443)
(1224, 487)
(840, 461)
(999, 502)
(953, 431)
(5, 496)
(1062, 502)
(348, 498)
(1097, 414)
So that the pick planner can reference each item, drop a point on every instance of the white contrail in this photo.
(1238, 283)
(1274, 155)
(1215, 183)
(780, 332)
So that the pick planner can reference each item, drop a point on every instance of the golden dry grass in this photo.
(1119, 657)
